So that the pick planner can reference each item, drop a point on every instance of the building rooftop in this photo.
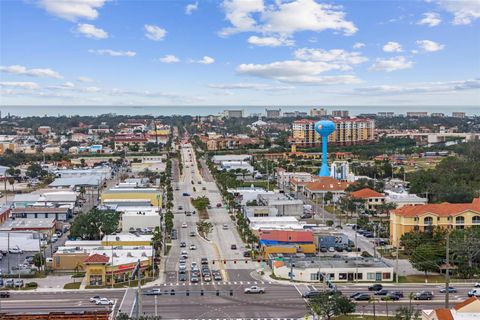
(366, 193)
(28, 224)
(326, 184)
(90, 181)
(444, 209)
(341, 262)
(124, 237)
(40, 210)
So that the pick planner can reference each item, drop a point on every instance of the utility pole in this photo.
(396, 262)
(447, 270)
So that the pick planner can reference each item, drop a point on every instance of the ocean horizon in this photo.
(204, 110)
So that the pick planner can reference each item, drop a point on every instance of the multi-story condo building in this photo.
(425, 218)
(273, 113)
(318, 112)
(348, 131)
(233, 113)
(417, 114)
(437, 115)
(458, 115)
(386, 114)
(340, 113)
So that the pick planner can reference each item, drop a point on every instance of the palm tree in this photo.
(386, 299)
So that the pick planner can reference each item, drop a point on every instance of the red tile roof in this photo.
(460, 305)
(327, 184)
(96, 258)
(366, 193)
(444, 314)
(441, 209)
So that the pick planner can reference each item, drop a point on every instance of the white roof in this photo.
(284, 219)
(121, 254)
(127, 237)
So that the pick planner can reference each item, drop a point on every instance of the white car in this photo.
(254, 289)
(193, 247)
(104, 301)
(184, 225)
(15, 250)
(95, 298)
(225, 226)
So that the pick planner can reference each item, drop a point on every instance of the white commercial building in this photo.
(342, 269)
(24, 240)
(285, 205)
(248, 194)
(404, 199)
(231, 157)
(259, 211)
(138, 218)
(274, 223)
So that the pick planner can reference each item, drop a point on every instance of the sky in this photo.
(239, 52)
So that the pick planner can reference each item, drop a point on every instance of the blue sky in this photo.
(240, 52)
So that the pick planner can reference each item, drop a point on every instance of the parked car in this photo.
(233, 247)
(247, 254)
(182, 277)
(323, 249)
(254, 289)
(192, 233)
(18, 283)
(204, 261)
(225, 226)
(4, 294)
(9, 283)
(471, 293)
(375, 287)
(194, 279)
(219, 205)
(184, 225)
(382, 292)
(15, 250)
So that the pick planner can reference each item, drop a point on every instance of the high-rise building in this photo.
(233, 113)
(273, 113)
(417, 114)
(340, 113)
(386, 114)
(458, 114)
(437, 115)
(347, 132)
(318, 112)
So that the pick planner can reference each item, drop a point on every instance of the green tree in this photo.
(328, 305)
(35, 171)
(407, 313)
(91, 225)
(38, 260)
(427, 257)
(204, 228)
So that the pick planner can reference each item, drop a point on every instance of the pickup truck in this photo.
(254, 289)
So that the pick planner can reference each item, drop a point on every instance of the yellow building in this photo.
(347, 131)
(425, 218)
(152, 194)
(127, 239)
(288, 249)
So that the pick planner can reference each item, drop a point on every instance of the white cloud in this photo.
(206, 60)
(90, 31)
(464, 11)
(73, 10)
(36, 72)
(169, 58)
(425, 87)
(430, 46)
(392, 46)
(338, 56)
(85, 79)
(113, 53)
(22, 85)
(270, 41)
(250, 86)
(284, 18)
(431, 19)
(358, 45)
(300, 72)
(190, 8)
(154, 33)
(391, 64)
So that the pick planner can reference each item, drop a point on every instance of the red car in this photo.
(219, 205)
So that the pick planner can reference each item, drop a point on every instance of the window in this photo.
(371, 276)
(359, 276)
(386, 276)
(428, 220)
(342, 276)
(460, 221)
(314, 276)
(476, 220)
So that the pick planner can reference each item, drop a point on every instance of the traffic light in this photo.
(224, 261)
(235, 261)
(187, 292)
(213, 261)
(217, 293)
(172, 292)
(231, 292)
(246, 261)
(201, 292)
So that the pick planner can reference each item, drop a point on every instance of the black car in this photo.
(182, 277)
(382, 292)
(375, 287)
(183, 244)
(247, 254)
(424, 295)
(362, 297)
(397, 293)
(233, 247)
(311, 294)
(4, 294)
(355, 294)
(390, 296)
(204, 261)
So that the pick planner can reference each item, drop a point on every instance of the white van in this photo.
(474, 293)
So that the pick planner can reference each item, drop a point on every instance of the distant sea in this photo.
(26, 111)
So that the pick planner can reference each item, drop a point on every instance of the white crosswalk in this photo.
(218, 283)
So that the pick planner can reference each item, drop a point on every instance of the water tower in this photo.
(324, 128)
